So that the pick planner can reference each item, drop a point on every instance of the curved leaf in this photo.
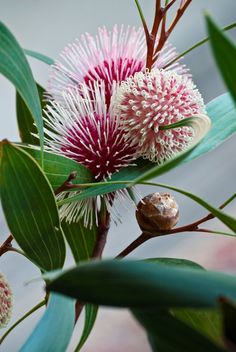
(57, 167)
(223, 116)
(53, 332)
(90, 318)
(224, 51)
(143, 284)
(25, 119)
(30, 208)
(14, 66)
(41, 57)
(168, 334)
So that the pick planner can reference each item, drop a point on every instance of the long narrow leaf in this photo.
(14, 66)
(25, 119)
(54, 331)
(136, 284)
(41, 57)
(224, 51)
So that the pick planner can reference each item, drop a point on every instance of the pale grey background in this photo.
(47, 26)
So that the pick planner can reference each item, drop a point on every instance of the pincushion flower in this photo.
(149, 100)
(109, 56)
(84, 129)
(6, 301)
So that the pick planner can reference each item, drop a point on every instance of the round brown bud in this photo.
(157, 212)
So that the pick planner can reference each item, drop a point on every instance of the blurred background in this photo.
(47, 26)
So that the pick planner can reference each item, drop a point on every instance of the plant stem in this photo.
(39, 305)
(6, 246)
(193, 227)
(203, 41)
(133, 245)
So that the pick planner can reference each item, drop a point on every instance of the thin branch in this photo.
(39, 305)
(68, 183)
(178, 16)
(203, 41)
(168, 5)
(6, 246)
(193, 227)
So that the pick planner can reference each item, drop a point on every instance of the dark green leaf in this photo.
(41, 57)
(90, 317)
(57, 167)
(229, 322)
(30, 208)
(224, 51)
(54, 331)
(143, 284)
(208, 321)
(80, 238)
(25, 119)
(14, 66)
(168, 334)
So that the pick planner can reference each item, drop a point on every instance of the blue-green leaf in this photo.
(54, 331)
(41, 57)
(137, 284)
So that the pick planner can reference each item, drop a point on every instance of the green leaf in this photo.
(57, 167)
(208, 321)
(90, 318)
(175, 262)
(228, 309)
(30, 208)
(81, 239)
(135, 284)
(224, 51)
(168, 334)
(25, 119)
(41, 57)
(14, 66)
(54, 331)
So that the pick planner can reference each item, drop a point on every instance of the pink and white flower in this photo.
(6, 301)
(109, 56)
(85, 130)
(149, 100)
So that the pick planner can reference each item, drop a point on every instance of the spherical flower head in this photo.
(109, 56)
(87, 132)
(150, 100)
(6, 301)
(83, 129)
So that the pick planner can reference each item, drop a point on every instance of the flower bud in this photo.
(157, 212)
(6, 301)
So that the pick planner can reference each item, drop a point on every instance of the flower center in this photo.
(99, 144)
(115, 70)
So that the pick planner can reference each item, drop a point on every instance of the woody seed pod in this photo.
(157, 212)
